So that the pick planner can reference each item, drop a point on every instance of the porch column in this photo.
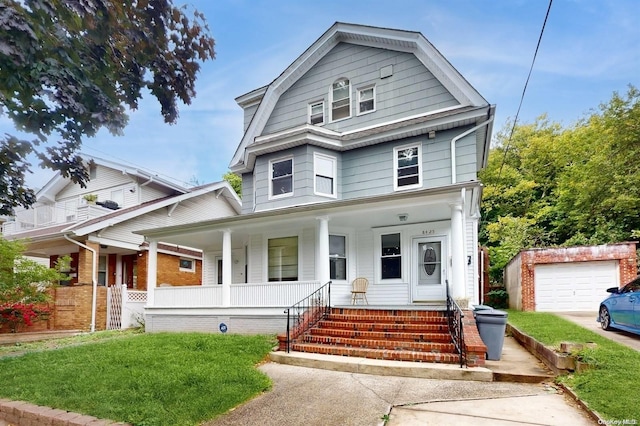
(457, 284)
(152, 270)
(322, 251)
(226, 267)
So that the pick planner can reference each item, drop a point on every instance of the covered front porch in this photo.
(256, 265)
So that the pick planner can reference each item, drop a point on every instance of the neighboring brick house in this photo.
(568, 278)
(63, 222)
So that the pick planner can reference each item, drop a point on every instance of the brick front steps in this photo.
(399, 335)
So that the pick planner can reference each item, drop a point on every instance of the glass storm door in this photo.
(429, 270)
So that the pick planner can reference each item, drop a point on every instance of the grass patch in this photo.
(611, 388)
(143, 379)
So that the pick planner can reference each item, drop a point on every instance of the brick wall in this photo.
(624, 253)
(72, 308)
(168, 271)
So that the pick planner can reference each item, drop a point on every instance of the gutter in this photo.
(457, 138)
(94, 279)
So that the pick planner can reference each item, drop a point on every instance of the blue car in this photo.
(621, 310)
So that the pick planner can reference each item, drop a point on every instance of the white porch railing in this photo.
(49, 215)
(269, 294)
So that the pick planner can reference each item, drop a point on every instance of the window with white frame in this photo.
(283, 259)
(187, 265)
(391, 257)
(337, 257)
(366, 100)
(340, 99)
(281, 177)
(407, 170)
(325, 171)
(316, 112)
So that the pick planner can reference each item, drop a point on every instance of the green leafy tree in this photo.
(22, 279)
(69, 68)
(235, 181)
(554, 186)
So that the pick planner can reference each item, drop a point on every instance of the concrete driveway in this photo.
(588, 321)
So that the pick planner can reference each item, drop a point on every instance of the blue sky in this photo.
(590, 49)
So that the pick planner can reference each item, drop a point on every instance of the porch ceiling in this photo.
(419, 207)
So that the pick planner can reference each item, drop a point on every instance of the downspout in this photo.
(94, 279)
(457, 138)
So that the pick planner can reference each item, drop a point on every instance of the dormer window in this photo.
(340, 100)
(316, 113)
(366, 100)
(281, 177)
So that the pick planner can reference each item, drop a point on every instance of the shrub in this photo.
(498, 298)
(18, 314)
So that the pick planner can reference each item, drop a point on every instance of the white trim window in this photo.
(366, 100)
(117, 196)
(316, 113)
(325, 170)
(187, 265)
(407, 167)
(281, 178)
(283, 259)
(390, 257)
(340, 99)
(338, 257)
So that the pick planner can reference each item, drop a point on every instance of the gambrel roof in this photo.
(385, 38)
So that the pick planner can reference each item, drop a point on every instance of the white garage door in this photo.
(578, 286)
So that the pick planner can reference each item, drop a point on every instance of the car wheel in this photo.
(605, 318)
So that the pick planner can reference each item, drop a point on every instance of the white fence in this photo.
(269, 294)
(125, 308)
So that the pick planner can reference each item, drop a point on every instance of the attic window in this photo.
(366, 100)
(341, 100)
(92, 171)
(316, 113)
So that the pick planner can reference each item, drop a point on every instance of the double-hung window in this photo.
(316, 113)
(325, 169)
(366, 100)
(337, 257)
(407, 170)
(391, 257)
(283, 259)
(281, 177)
(340, 99)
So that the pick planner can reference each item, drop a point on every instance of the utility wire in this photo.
(515, 121)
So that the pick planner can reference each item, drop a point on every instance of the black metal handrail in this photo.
(307, 312)
(454, 318)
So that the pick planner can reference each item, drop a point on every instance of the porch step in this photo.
(384, 354)
(401, 335)
(392, 344)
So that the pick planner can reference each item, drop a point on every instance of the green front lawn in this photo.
(143, 379)
(611, 388)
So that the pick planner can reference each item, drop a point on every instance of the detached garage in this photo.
(568, 279)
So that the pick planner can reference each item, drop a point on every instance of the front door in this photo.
(428, 269)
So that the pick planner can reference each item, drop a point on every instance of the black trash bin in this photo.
(491, 326)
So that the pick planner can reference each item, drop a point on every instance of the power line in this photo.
(515, 121)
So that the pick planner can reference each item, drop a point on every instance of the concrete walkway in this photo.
(588, 321)
(310, 397)
(338, 393)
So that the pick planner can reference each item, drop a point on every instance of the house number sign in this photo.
(428, 231)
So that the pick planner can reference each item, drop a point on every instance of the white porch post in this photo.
(322, 251)
(458, 290)
(152, 270)
(226, 267)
